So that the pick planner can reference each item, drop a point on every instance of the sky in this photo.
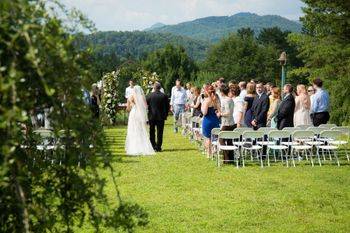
(130, 15)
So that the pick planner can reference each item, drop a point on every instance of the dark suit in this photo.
(260, 108)
(285, 114)
(158, 108)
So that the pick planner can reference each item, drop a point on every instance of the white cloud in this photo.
(140, 14)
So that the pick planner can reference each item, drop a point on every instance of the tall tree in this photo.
(49, 182)
(238, 59)
(325, 49)
(171, 63)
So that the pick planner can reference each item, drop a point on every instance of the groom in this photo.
(158, 108)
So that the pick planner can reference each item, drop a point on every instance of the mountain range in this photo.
(195, 36)
(213, 28)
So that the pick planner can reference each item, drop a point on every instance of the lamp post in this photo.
(283, 62)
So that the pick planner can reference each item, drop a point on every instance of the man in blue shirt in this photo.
(319, 104)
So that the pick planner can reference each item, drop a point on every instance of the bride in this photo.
(137, 141)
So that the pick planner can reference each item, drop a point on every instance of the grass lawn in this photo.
(184, 192)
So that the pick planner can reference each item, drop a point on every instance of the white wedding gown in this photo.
(137, 141)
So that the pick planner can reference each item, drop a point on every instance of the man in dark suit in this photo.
(285, 114)
(158, 108)
(260, 107)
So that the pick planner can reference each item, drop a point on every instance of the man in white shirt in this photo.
(177, 102)
(243, 85)
(128, 90)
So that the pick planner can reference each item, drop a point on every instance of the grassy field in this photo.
(184, 192)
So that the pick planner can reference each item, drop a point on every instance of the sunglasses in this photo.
(310, 90)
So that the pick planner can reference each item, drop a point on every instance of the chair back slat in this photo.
(303, 134)
(229, 135)
(253, 134)
(328, 126)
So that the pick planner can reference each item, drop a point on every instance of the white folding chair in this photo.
(301, 137)
(344, 141)
(276, 137)
(250, 139)
(331, 136)
(228, 135)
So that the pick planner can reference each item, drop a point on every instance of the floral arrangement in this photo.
(110, 95)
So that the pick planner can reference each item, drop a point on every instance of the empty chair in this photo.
(301, 137)
(266, 131)
(316, 130)
(344, 140)
(332, 136)
(249, 139)
(276, 137)
(228, 135)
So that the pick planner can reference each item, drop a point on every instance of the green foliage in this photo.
(325, 49)
(111, 94)
(136, 45)
(171, 63)
(46, 191)
(239, 59)
(204, 77)
(214, 28)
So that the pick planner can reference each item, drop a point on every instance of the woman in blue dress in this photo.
(210, 109)
(249, 99)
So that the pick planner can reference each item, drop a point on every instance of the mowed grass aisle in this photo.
(184, 192)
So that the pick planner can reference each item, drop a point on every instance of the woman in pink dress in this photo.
(302, 107)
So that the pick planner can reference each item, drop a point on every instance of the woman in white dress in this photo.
(302, 107)
(137, 141)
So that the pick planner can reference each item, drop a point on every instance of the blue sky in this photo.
(129, 15)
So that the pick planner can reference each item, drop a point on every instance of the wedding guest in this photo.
(128, 90)
(320, 104)
(260, 107)
(271, 115)
(238, 106)
(161, 88)
(95, 101)
(177, 102)
(249, 99)
(243, 85)
(226, 115)
(210, 119)
(310, 91)
(268, 88)
(196, 105)
(188, 92)
(302, 107)
(285, 114)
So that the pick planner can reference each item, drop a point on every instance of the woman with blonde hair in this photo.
(271, 116)
(302, 107)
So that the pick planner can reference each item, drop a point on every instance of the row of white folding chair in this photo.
(298, 142)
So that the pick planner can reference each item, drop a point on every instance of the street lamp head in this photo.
(283, 58)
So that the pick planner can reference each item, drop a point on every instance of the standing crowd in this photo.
(231, 105)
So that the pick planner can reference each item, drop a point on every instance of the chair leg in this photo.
(268, 157)
(243, 157)
(261, 154)
(312, 161)
(218, 158)
(292, 155)
(336, 157)
(236, 158)
(318, 156)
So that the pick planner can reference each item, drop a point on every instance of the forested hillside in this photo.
(213, 28)
(138, 44)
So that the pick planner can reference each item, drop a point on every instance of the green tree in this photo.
(325, 49)
(51, 190)
(171, 63)
(238, 59)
